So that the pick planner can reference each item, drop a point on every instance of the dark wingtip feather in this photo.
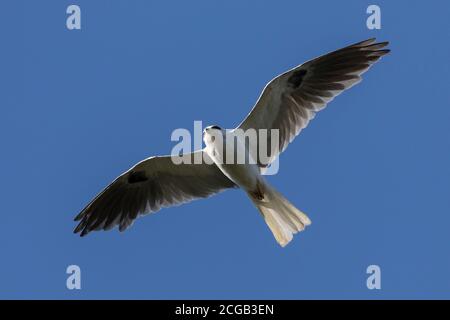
(375, 46)
(381, 53)
(78, 228)
(79, 216)
(122, 227)
(364, 43)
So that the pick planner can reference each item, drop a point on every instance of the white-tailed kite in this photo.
(287, 104)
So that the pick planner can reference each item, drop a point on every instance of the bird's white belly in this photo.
(245, 174)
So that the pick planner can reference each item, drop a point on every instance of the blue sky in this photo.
(80, 107)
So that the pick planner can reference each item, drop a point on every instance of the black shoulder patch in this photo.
(137, 176)
(296, 78)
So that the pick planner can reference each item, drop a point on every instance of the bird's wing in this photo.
(291, 100)
(151, 184)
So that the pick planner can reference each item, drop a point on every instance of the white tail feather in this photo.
(283, 219)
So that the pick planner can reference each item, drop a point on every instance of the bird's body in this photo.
(240, 167)
(223, 144)
(285, 107)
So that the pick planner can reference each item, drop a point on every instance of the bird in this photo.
(286, 105)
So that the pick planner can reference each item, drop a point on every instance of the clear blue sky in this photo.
(80, 107)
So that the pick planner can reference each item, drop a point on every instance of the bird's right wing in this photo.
(291, 100)
(151, 184)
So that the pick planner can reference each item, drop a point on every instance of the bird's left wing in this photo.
(291, 100)
(148, 186)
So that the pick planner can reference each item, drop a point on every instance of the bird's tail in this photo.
(283, 219)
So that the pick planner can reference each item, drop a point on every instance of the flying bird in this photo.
(287, 104)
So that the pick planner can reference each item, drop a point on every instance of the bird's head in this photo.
(210, 132)
(211, 128)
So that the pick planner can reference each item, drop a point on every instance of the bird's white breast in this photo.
(233, 159)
